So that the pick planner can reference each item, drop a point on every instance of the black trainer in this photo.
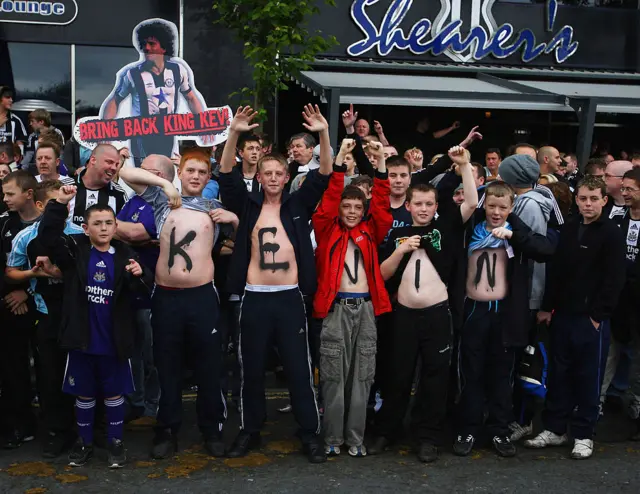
(379, 446)
(116, 455)
(214, 446)
(57, 443)
(17, 438)
(463, 445)
(243, 443)
(165, 444)
(504, 446)
(427, 453)
(314, 450)
(80, 453)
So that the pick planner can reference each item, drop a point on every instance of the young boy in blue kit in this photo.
(100, 278)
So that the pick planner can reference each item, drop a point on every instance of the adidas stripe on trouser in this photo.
(278, 316)
(184, 330)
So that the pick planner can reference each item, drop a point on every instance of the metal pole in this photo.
(585, 109)
(333, 102)
(73, 87)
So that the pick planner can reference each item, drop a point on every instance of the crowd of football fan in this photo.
(495, 290)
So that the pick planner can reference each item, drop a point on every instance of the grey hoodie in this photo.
(534, 209)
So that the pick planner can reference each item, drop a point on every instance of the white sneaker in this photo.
(332, 450)
(582, 449)
(519, 431)
(546, 438)
(358, 451)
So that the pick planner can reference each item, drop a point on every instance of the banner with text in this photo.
(154, 103)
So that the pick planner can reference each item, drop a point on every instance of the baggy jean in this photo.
(347, 369)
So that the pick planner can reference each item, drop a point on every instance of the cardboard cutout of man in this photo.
(159, 83)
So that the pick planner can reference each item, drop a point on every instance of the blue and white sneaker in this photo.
(358, 451)
(332, 450)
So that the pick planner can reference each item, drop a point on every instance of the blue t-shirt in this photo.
(100, 286)
(137, 210)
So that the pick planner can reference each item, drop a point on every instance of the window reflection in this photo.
(96, 69)
(41, 72)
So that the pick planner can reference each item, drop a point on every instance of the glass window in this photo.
(96, 69)
(41, 72)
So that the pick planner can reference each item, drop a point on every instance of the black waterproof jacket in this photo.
(71, 254)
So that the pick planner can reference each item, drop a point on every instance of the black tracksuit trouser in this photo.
(57, 407)
(281, 316)
(426, 333)
(186, 319)
(578, 355)
(486, 371)
(16, 333)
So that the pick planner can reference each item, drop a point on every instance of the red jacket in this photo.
(333, 237)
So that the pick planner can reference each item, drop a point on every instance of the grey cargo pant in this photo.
(347, 368)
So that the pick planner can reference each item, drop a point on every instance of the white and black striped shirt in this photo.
(13, 130)
(111, 195)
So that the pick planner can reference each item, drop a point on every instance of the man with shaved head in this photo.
(136, 226)
(549, 160)
(95, 185)
(615, 208)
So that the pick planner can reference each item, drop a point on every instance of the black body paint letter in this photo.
(272, 248)
(491, 272)
(356, 260)
(176, 249)
(417, 281)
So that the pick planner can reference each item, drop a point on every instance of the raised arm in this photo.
(365, 167)
(460, 158)
(443, 164)
(315, 122)
(241, 123)
(438, 134)
(377, 127)
(329, 207)
(52, 227)
(139, 179)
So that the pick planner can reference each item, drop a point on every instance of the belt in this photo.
(353, 300)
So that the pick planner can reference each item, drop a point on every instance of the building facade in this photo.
(539, 70)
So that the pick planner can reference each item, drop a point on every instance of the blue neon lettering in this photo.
(389, 36)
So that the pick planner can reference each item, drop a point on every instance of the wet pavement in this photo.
(280, 467)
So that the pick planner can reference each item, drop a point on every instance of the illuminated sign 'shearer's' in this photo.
(443, 36)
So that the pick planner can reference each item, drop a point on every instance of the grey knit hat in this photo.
(519, 170)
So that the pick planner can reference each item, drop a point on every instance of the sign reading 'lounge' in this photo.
(444, 37)
(58, 12)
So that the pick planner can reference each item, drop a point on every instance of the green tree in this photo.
(277, 42)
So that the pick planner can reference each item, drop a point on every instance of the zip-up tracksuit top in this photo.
(587, 275)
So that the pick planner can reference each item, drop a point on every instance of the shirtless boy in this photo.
(274, 266)
(496, 317)
(417, 267)
(184, 304)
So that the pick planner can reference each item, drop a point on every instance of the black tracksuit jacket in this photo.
(587, 275)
